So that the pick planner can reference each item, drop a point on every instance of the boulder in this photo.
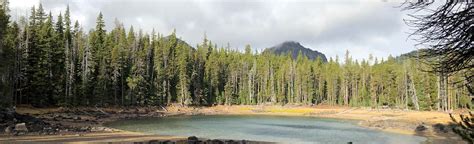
(216, 141)
(421, 128)
(153, 142)
(8, 129)
(63, 130)
(77, 118)
(441, 128)
(21, 127)
(85, 129)
(193, 140)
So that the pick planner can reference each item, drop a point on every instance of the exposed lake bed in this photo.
(340, 123)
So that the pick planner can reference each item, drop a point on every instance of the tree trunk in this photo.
(414, 97)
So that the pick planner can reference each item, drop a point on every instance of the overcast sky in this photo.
(328, 26)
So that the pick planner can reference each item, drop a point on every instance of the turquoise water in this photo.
(265, 128)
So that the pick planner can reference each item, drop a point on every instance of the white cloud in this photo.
(22, 4)
(21, 7)
(329, 26)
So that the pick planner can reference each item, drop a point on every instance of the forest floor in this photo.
(86, 124)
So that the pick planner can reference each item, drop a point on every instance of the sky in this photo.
(362, 27)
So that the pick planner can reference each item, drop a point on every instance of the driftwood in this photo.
(85, 112)
(163, 108)
(347, 110)
(103, 112)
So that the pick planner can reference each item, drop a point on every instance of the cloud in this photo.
(329, 26)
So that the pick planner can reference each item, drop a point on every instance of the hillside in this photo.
(294, 48)
(412, 54)
(180, 41)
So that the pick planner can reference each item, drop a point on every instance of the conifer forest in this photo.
(50, 60)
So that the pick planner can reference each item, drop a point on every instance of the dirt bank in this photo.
(86, 124)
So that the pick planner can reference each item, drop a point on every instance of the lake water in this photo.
(283, 129)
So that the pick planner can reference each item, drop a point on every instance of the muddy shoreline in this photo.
(87, 124)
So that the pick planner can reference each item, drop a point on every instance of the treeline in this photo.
(48, 61)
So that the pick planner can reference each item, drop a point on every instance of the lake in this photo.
(284, 129)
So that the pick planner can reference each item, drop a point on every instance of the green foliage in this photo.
(6, 56)
(56, 64)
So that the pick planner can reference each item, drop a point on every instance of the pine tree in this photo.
(46, 42)
(184, 74)
(79, 47)
(137, 80)
(118, 63)
(7, 46)
(95, 62)
(58, 57)
(70, 58)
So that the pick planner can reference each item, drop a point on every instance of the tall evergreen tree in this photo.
(6, 56)
(95, 66)
(46, 63)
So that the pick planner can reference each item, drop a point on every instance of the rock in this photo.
(193, 140)
(95, 129)
(19, 133)
(440, 128)
(216, 141)
(421, 128)
(108, 130)
(153, 142)
(9, 129)
(77, 118)
(84, 129)
(21, 127)
(57, 118)
(103, 129)
(63, 130)
(78, 135)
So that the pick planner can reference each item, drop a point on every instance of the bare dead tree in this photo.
(465, 126)
(446, 30)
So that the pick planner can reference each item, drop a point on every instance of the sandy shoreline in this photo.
(434, 124)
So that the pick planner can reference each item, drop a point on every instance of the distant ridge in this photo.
(294, 48)
(180, 41)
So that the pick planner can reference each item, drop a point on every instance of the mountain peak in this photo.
(295, 48)
(292, 44)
